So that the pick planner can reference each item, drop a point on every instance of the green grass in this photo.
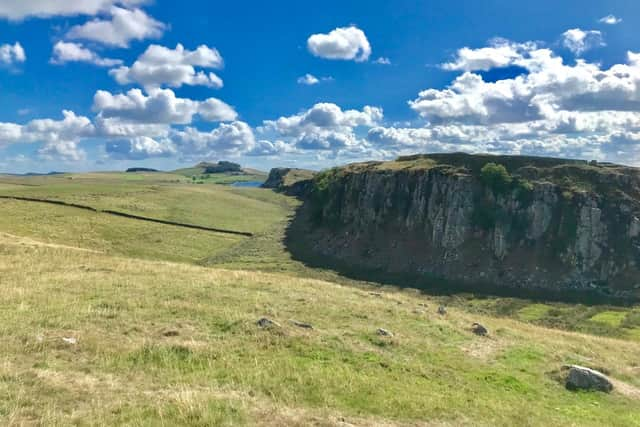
(610, 318)
(219, 367)
(534, 312)
(165, 321)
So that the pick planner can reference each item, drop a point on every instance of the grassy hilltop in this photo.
(164, 323)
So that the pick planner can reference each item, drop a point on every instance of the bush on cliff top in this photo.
(496, 177)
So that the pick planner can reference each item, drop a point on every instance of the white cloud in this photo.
(579, 41)
(570, 110)
(20, 9)
(161, 106)
(549, 87)
(229, 139)
(500, 53)
(214, 110)
(309, 80)
(347, 43)
(64, 52)
(610, 20)
(140, 148)
(119, 29)
(324, 126)
(383, 61)
(60, 137)
(160, 66)
(12, 54)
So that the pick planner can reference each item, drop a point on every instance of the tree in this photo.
(496, 177)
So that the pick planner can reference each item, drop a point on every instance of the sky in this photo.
(111, 84)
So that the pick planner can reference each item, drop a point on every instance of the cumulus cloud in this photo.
(347, 43)
(60, 137)
(500, 53)
(610, 20)
(160, 106)
(309, 80)
(229, 139)
(161, 66)
(580, 110)
(119, 28)
(549, 87)
(579, 41)
(12, 54)
(324, 126)
(64, 52)
(383, 61)
(140, 148)
(20, 9)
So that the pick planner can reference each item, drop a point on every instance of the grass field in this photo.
(164, 323)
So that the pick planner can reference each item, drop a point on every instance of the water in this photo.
(247, 184)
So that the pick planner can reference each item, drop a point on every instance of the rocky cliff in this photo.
(291, 181)
(496, 221)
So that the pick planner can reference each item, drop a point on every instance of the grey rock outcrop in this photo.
(566, 226)
(581, 378)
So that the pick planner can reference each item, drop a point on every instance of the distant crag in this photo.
(133, 170)
(291, 181)
(222, 167)
(481, 222)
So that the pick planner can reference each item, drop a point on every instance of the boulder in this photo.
(266, 323)
(442, 310)
(384, 333)
(581, 378)
(478, 329)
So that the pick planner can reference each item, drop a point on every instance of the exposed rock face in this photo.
(559, 225)
(294, 182)
(581, 378)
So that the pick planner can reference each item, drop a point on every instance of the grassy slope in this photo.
(220, 368)
(217, 367)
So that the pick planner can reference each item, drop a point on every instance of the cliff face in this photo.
(548, 224)
(294, 182)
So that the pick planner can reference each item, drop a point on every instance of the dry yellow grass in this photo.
(162, 343)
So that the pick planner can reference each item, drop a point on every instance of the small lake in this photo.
(248, 184)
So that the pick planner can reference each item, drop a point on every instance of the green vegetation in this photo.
(220, 173)
(496, 177)
(164, 319)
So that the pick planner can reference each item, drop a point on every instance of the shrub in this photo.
(496, 177)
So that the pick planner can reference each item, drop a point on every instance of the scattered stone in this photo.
(70, 341)
(375, 294)
(581, 378)
(442, 310)
(478, 329)
(302, 324)
(267, 323)
(384, 333)
(171, 333)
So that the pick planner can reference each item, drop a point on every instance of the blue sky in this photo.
(108, 84)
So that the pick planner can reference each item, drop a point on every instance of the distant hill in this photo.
(34, 174)
(132, 170)
(222, 172)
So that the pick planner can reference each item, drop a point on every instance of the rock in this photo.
(267, 323)
(581, 378)
(442, 310)
(384, 333)
(478, 329)
(70, 341)
(302, 324)
(375, 216)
